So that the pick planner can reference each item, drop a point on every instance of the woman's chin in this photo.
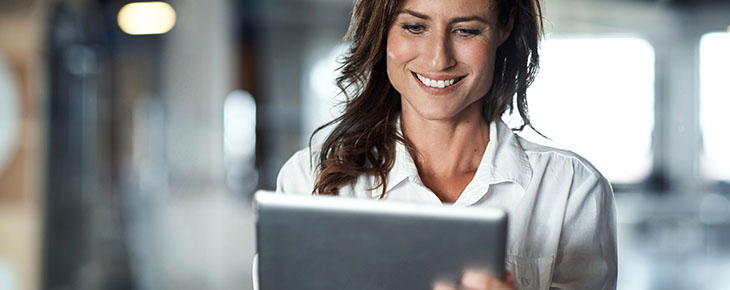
(437, 115)
(442, 113)
(442, 110)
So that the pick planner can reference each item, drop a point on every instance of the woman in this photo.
(427, 83)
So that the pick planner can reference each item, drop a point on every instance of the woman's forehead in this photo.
(457, 7)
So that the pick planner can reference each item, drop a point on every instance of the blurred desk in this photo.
(667, 242)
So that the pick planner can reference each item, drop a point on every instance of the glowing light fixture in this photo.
(143, 18)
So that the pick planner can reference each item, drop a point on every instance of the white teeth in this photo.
(435, 83)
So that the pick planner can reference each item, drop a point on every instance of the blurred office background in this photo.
(132, 136)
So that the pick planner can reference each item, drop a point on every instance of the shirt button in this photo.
(524, 282)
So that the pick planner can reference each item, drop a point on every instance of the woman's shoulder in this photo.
(561, 172)
(297, 175)
(552, 158)
(305, 156)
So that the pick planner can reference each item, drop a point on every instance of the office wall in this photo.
(21, 32)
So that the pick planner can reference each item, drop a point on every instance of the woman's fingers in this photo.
(443, 286)
(476, 280)
(509, 278)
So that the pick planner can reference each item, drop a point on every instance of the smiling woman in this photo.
(427, 83)
(369, 124)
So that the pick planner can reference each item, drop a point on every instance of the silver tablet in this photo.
(336, 243)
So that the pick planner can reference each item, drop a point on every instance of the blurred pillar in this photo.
(678, 102)
(185, 232)
(197, 74)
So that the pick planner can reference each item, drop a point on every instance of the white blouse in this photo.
(562, 231)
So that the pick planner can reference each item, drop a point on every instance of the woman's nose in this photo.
(440, 52)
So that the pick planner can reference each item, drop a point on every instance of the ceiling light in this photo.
(142, 18)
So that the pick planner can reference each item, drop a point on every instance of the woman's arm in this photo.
(587, 251)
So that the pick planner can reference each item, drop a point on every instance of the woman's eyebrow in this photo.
(453, 20)
(415, 14)
(469, 18)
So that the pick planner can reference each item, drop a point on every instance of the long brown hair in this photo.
(364, 136)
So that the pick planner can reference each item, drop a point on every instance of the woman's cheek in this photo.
(399, 49)
(480, 56)
(475, 53)
(400, 52)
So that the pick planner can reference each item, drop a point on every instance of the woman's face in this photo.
(440, 55)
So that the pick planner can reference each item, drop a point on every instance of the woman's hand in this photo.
(475, 280)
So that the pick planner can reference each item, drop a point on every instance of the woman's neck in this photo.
(448, 152)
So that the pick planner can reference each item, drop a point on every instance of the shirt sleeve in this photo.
(297, 174)
(587, 253)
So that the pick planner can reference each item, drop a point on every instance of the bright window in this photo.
(715, 105)
(595, 96)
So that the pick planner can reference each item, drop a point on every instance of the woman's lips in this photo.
(438, 84)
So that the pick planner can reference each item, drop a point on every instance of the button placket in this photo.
(524, 282)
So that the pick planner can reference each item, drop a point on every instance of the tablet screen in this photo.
(324, 242)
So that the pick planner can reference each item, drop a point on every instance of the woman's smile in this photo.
(438, 84)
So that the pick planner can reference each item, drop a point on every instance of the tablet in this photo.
(334, 243)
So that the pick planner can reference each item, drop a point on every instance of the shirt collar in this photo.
(404, 168)
(504, 160)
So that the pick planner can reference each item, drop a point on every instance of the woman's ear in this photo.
(506, 30)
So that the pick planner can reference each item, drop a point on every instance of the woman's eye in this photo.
(467, 32)
(414, 28)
